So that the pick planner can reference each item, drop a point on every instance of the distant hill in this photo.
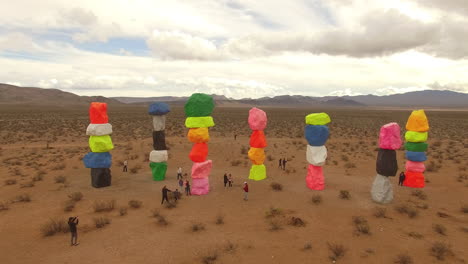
(10, 94)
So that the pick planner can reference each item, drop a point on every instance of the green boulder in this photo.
(416, 147)
(204, 121)
(199, 104)
(257, 172)
(158, 170)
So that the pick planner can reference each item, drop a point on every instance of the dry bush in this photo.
(440, 229)
(350, 165)
(135, 169)
(60, 179)
(236, 163)
(276, 186)
(122, 211)
(69, 206)
(210, 258)
(60, 166)
(161, 220)
(404, 209)
(100, 222)
(270, 158)
(39, 176)
(54, 226)
(361, 225)
(135, 204)
(272, 212)
(170, 205)
(219, 220)
(403, 259)
(296, 221)
(440, 250)
(275, 225)
(316, 199)
(345, 195)
(244, 150)
(230, 247)
(420, 194)
(380, 212)
(25, 198)
(197, 227)
(103, 206)
(307, 246)
(4, 206)
(415, 235)
(76, 196)
(10, 181)
(27, 185)
(337, 251)
(344, 158)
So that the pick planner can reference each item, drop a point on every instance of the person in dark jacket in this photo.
(284, 163)
(176, 195)
(280, 163)
(246, 191)
(165, 190)
(226, 180)
(401, 179)
(187, 188)
(72, 223)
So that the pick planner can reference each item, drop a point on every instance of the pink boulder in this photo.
(390, 136)
(201, 169)
(257, 119)
(200, 186)
(315, 179)
(414, 166)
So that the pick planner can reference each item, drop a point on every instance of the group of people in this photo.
(228, 180)
(282, 163)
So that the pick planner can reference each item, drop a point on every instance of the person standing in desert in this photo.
(280, 164)
(179, 173)
(246, 191)
(226, 180)
(187, 188)
(165, 190)
(230, 180)
(72, 223)
(125, 166)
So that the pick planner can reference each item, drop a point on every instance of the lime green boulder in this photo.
(416, 147)
(416, 137)
(257, 172)
(204, 121)
(158, 170)
(199, 104)
(100, 143)
(318, 119)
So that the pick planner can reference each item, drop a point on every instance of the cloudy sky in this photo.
(239, 48)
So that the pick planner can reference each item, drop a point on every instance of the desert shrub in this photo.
(60, 179)
(337, 251)
(440, 250)
(410, 212)
(170, 205)
(344, 158)
(275, 225)
(270, 158)
(345, 195)
(122, 211)
(104, 206)
(135, 204)
(307, 246)
(25, 198)
(464, 209)
(69, 206)
(361, 225)
(403, 259)
(76, 196)
(236, 163)
(10, 181)
(276, 186)
(316, 199)
(197, 227)
(135, 169)
(272, 212)
(161, 220)
(54, 226)
(415, 235)
(100, 222)
(420, 194)
(230, 247)
(210, 258)
(440, 229)
(4, 206)
(244, 150)
(350, 165)
(219, 220)
(296, 221)
(380, 212)
(27, 185)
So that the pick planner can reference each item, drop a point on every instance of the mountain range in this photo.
(10, 94)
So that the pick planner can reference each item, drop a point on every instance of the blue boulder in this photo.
(316, 135)
(159, 109)
(97, 160)
(416, 156)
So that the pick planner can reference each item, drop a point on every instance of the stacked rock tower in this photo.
(198, 110)
(100, 143)
(316, 133)
(158, 157)
(386, 165)
(257, 122)
(416, 136)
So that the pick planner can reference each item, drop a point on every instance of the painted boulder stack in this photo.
(158, 157)
(257, 122)
(198, 110)
(99, 160)
(415, 149)
(316, 133)
(386, 164)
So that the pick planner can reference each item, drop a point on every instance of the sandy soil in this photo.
(246, 235)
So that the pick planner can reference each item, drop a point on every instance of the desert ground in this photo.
(43, 179)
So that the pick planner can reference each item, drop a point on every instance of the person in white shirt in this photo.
(125, 166)
(179, 173)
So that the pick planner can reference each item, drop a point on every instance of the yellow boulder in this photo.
(415, 137)
(318, 119)
(198, 135)
(257, 155)
(417, 122)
